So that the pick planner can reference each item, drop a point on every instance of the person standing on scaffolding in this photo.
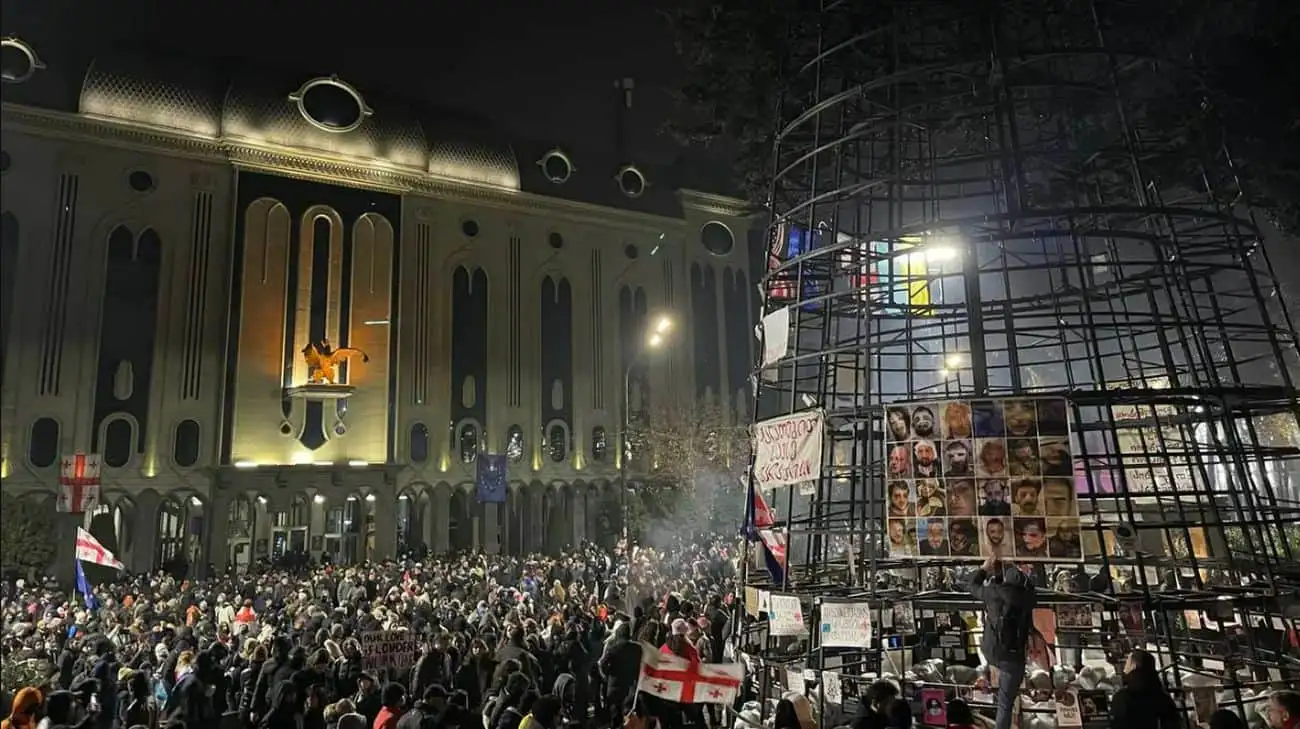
(1009, 599)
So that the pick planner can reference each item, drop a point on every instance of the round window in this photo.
(140, 181)
(469, 228)
(631, 251)
(555, 240)
(631, 181)
(556, 166)
(18, 61)
(330, 104)
(717, 238)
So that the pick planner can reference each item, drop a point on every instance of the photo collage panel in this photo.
(979, 478)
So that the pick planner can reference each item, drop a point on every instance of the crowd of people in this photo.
(491, 641)
(531, 642)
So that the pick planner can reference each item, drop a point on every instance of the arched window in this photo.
(515, 444)
(468, 442)
(419, 443)
(117, 443)
(557, 443)
(599, 443)
(43, 443)
(185, 449)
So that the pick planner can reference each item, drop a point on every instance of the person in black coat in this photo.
(1143, 702)
(621, 667)
(190, 699)
(138, 708)
(474, 676)
(368, 700)
(248, 676)
(514, 649)
(348, 670)
(872, 706)
(104, 671)
(426, 711)
(276, 670)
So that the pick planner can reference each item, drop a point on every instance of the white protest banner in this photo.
(794, 679)
(776, 336)
(788, 449)
(785, 616)
(764, 601)
(845, 625)
(832, 690)
(393, 649)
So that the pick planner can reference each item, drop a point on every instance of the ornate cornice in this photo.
(256, 156)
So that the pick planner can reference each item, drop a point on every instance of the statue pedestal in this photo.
(321, 392)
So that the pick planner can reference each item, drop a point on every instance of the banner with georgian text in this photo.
(788, 449)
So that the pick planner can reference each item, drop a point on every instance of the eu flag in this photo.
(83, 586)
(491, 478)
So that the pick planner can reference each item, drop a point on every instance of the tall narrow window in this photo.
(599, 443)
(558, 443)
(468, 443)
(43, 443)
(515, 444)
(419, 443)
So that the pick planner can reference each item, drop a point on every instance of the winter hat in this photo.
(681, 627)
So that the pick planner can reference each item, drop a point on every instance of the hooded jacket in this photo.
(1009, 602)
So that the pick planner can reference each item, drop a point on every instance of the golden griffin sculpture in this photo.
(323, 361)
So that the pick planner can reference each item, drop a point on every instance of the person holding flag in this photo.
(90, 550)
(682, 683)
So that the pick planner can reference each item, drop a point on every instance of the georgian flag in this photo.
(90, 550)
(673, 678)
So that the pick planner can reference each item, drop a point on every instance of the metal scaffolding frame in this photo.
(966, 203)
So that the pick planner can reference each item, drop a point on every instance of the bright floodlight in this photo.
(663, 325)
(940, 253)
(319, 499)
(954, 361)
(655, 340)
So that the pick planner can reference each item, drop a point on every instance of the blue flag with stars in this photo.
(491, 478)
(83, 586)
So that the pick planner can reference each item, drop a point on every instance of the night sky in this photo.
(539, 69)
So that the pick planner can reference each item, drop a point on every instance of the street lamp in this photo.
(656, 336)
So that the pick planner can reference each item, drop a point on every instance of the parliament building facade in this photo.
(289, 315)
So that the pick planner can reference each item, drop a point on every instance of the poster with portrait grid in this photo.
(970, 479)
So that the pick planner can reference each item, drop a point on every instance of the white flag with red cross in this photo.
(90, 550)
(79, 483)
(673, 678)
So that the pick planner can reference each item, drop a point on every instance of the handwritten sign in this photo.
(788, 450)
(845, 625)
(393, 649)
(785, 616)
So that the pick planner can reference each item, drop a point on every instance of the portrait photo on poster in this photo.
(981, 477)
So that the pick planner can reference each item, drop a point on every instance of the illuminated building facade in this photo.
(174, 242)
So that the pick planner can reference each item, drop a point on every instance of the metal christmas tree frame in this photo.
(970, 201)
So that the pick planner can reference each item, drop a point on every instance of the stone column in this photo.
(385, 506)
(441, 518)
(425, 506)
(216, 538)
(578, 513)
(491, 532)
(537, 518)
(145, 532)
